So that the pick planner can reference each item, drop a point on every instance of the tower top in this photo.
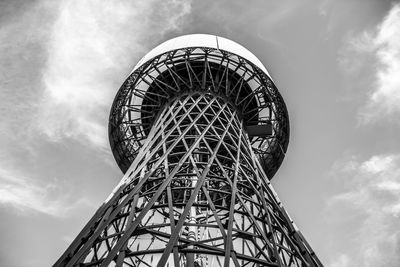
(207, 64)
(202, 40)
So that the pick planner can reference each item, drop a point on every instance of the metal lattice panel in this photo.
(195, 195)
(198, 132)
(151, 86)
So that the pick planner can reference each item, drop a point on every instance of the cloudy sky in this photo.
(336, 63)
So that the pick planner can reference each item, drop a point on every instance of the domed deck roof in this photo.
(202, 40)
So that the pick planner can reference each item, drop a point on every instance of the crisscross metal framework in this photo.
(195, 190)
(195, 196)
(164, 77)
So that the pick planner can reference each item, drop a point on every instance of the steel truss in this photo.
(228, 75)
(194, 196)
(196, 188)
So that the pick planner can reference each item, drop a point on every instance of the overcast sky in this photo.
(336, 63)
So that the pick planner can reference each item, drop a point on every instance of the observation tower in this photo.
(198, 129)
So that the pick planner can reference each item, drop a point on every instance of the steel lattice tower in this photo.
(198, 128)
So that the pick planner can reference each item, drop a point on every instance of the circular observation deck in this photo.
(200, 62)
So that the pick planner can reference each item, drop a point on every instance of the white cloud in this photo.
(384, 45)
(377, 164)
(92, 46)
(342, 260)
(81, 50)
(27, 194)
(368, 210)
(22, 33)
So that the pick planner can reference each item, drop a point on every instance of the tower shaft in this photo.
(195, 195)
